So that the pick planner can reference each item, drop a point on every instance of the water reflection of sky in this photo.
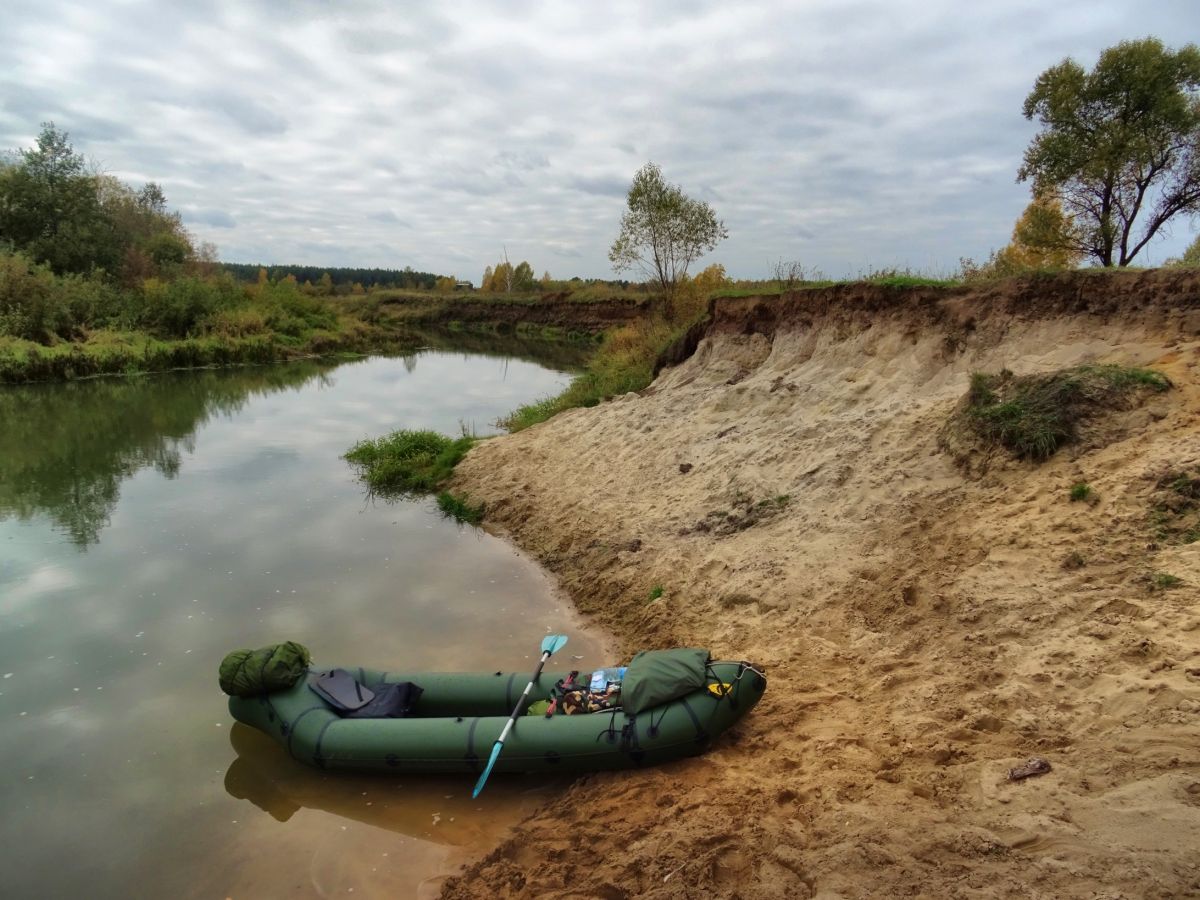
(115, 736)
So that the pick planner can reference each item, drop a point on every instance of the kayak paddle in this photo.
(551, 644)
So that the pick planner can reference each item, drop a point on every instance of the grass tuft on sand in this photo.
(1032, 416)
(408, 461)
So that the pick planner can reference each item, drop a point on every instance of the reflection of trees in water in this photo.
(66, 448)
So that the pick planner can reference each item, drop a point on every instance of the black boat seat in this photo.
(338, 688)
(352, 700)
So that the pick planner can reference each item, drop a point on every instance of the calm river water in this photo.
(150, 525)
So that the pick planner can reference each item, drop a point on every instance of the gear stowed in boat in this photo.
(674, 704)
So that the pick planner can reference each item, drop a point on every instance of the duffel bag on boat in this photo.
(655, 677)
(248, 673)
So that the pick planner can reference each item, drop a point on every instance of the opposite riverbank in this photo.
(383, 323)
(931, 616)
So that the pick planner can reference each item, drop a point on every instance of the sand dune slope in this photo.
(924, 630)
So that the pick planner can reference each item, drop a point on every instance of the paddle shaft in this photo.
(550, 644)
(521, 702)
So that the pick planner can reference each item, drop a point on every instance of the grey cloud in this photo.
(521, 160)
(251, 116)
(217, 218)
(836, 133)
(564, 251)
(603, 185)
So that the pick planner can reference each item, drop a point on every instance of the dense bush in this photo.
(31, 304)
(37, 305)
(290, 311)
(176, 308)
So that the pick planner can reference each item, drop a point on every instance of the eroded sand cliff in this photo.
(921, 632)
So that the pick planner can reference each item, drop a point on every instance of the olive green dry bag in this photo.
(248, 673)
(655, 677)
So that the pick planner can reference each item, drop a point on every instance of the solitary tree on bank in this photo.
(663, 231)
(1119, 143)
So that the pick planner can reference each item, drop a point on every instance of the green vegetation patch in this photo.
(907, 278)
(624, 362)
(1081, 492)
(1032, 416)
(1164, 581)
(408, 462)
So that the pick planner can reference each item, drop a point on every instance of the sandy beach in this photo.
(926, 627)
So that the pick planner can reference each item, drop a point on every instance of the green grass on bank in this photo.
(968, 274)
(623, 362)
(131, 353)
(1032, 416)
(125, 353)
(407, 461)
(56, 327)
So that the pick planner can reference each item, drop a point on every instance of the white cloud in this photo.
(838, 133)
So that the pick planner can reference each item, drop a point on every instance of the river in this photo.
(149, 525)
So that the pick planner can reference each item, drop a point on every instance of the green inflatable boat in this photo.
(458, 717)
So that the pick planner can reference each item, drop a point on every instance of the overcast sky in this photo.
(846, 135)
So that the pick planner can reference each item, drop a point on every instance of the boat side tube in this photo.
(461, 715)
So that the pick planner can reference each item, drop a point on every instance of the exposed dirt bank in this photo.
(924, 630)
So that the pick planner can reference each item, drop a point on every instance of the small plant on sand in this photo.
(745, 513)
(1081, 491)
(408, 462)
(655, 593)
(1074, 560)
(1164, 581)
(459, 508)
(1175, 508)
(1033, 415)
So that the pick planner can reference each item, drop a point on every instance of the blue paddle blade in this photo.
(488, 771)
(552, 643)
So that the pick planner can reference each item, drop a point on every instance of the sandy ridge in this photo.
(921, 632)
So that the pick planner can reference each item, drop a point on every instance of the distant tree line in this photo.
(337, 275)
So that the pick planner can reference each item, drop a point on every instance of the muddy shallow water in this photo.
(148, 526)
